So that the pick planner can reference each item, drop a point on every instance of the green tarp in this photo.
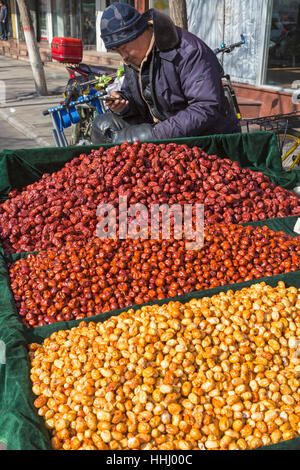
(20, 426)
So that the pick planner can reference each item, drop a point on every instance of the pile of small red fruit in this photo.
(61, 207)
(88, 278)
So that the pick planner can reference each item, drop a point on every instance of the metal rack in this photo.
(280, 124)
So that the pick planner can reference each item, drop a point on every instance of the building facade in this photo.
(70, 18)
(268, 64)
(271, 55)
(266, 70)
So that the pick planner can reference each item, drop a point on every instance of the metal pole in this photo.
(59, 136)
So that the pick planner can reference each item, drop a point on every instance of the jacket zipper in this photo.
(155, 120)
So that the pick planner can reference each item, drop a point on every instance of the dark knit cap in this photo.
(121, 23)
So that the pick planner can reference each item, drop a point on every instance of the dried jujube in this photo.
(85, 279)
(62, 206)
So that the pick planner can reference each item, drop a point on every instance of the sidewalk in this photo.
(22, 108)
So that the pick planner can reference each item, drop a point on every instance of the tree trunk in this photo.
(33, 50)
(178, 13)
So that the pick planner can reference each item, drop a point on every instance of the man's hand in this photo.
(141, 132)
(118, 104)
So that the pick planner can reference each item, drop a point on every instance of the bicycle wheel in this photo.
(289, 144)
(81, 130)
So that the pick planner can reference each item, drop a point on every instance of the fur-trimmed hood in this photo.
(165, 31)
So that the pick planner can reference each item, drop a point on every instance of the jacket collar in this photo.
(165, 32)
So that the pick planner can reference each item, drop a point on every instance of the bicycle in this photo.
(84, 95)
(228, 87)
(285, 126)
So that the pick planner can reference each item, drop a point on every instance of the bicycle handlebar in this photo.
(223, 48)
(100, 96)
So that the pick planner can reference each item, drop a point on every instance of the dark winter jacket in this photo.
(3, 13)
(184, 76)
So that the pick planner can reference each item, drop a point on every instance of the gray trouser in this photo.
(3, 30)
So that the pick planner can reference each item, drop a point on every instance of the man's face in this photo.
(133, 52)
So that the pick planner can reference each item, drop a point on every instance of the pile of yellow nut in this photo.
(215, 373)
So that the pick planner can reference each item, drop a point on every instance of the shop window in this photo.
(65, 21)
(162, 5)
(284, 46)
(88, 23)
(130, 2)
(76, 19)
(42, 21)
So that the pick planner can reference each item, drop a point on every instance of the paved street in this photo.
(17, 75)
(11, 138)
(22, 108)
